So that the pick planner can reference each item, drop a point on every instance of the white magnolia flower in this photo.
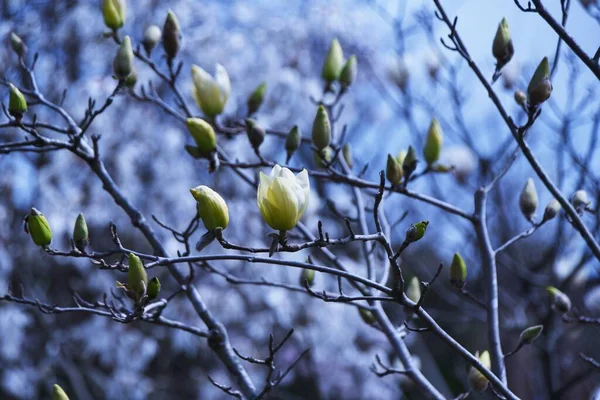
(282, 197)
(210, 93)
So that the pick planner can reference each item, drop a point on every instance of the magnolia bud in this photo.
(256, 98)
(413, 291)
(551, 210)
(203, 134)
(321, 130)
(580, 200)
(123, 61)
(393, 170)
(367, 316)
(38, 228)
(323, 157)
(58, 393)
(416, 231)
(256, 134)
(308, 275)
(17, 45)
(433, 144)
(520, 97)
(153, 288)
(502, 49)
(540, 87)
(171, 35)
(131, 78)
(458, 271)
(334, 62)
(477, 381)
(401, 156)
(212, 209)
(292, 142)
(529, 335)
(113, 12)
(348, 74)
(151, 38)
(137, 279)
(409, 164)
(80, 233)
(560, 301)
(347, 153)
(529, 199)
(17, 105)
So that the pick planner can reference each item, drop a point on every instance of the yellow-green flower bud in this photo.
(292, 142)
(212, 209)
(560, 301)
(17, 105)
(347, 153)
(171, 35)
(308, 275)
(38, 228)
(17, 45)
(80, 233)
(256, 98)
(123, 61)
(137, 279)
(323, 157)
(540, 87)
(367, 316)
(152, 36)
(529, 335)
(282, 197)
(321, 130)
(348, 74)
(477, 381)
(256, 134)
(211, 93)
(580, 201)
(433, 144)
(520, 97)
(529, 199)
(203, 134)
(409, 164)
(153, 288)
(393, 170)
(58, 393)
(334, 62)
(502, 49)
(416, 231)
(413, 290)
(458, 271)
(552, 210)
(131, 79)
(114, 13)
(401, 156)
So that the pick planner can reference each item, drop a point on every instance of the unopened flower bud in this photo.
(256, 98)
(348, 74)
(137, 279)
(458, 271)
(401, 156)
(367, 316)
(477, 381)
(212, 209)
(560, 301)
(308, 275)
(551, 210)
(114, 13)
(38, 228)
(529, 199)
(502, 49)
(131, 79)
(152, 36)
(393, 170)
(433, 143)
(256, 134)
(292, 142)
(80, 233)
(123, 61)
(416, 232)
(520, 97)
(347, 153)
(529, 335)
(18, 45)
(413, 290)
(153, 288)
(203, 134)
(580, 201)
(211, 93)
(540, 87)
(409, 164)
(171, 35)
(323, 157)
(17, 105)
(58, 393)
(334, 62)
(321, 130)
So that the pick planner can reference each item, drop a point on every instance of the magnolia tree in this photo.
(446, 297)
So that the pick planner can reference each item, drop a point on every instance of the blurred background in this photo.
(405, 78)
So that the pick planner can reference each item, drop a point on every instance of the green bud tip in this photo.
(38, 228)
(256, 134)
(560, 301)
(409, 164)
(348, 74)
(458, 271)
(540, 87)
(308, 275)
(552, 210)
(292, 142)
(58, 393)
(114, 13)
(433, 143)
(393, 171)
(212, 209)
(502, 48)
(347, 153)
(17, 105)
(528, 201)
(137, 279)
(17, 44)
(321, 130)
(477, 381)
(123, 61)
(334, 62)
(256, 98)
(153, 288)
(171, 35)
(80, 232)
(530, 334)
(203, 134)
(416, 231)
(322, 157)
